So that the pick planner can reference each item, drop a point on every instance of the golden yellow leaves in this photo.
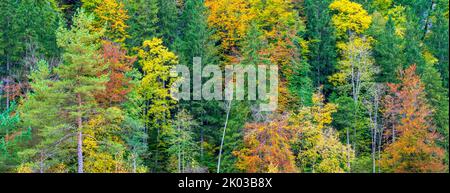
(321, 149)
(157, 62)
(231, 19)
(349, 17)
(103, 149)
(112, 15)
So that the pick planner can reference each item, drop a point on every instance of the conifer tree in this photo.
(40, 112)
(388, 53)
(319, 33)
(79, 73)
(168, 15)
(143, 22)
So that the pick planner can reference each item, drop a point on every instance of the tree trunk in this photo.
(179, 152)
(348, 149)
(134, 162)
(80, 136)
(223, 135)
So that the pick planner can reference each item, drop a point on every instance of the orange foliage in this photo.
(119, 64)
(13, 90)
(413, 148)
(267, 148)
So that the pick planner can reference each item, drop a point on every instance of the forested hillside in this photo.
(85, 86)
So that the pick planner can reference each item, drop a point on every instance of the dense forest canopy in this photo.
(86, 86)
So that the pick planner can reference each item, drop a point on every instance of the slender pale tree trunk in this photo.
(134, 162)
(41, 163)
(179, 152)
(223, 135)
(376, 128)
(380, 140)
(80, 136)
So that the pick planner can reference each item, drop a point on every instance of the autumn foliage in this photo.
(412, 132)
(267, 148)
(119, 84)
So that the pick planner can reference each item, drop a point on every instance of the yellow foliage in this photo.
(355, 61)
(349, 17)
(25, 168)
(231, 19)
(429, 58)
(157, 62)
(113, 16)
(397, 13)
(321, 149)
(102, 148)
(382, 5)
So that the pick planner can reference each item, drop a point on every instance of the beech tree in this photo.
(318, 146)
(267, 148)
(412, 135)
(157, 62)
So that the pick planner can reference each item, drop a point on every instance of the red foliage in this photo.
(119, 64)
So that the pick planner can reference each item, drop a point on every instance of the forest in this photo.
(86, 85)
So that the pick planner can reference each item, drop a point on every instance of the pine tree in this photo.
(79, 73)
(134, 132)
(195, 37)
(27, 34)
(437, 39)
(195, 40)
(40, 112)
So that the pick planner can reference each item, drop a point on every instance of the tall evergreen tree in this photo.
(168, 19)
(143, 22)
(79, 73)
(322, 54)
(388, 52)
(437, 39)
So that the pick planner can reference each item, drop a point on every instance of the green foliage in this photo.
(184, 149)
(143, 22)
(168, 20)
(40, 112)
(85, 85)
(28, 30)
(322, 55)
(11, 136)
(388, 52)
